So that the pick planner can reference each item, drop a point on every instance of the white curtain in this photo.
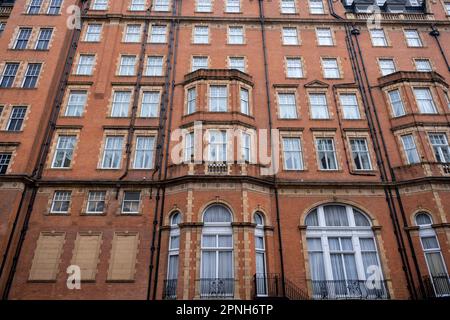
(316, 262)
(261, 285)
(368, 254)
(225, 241)
(225, 270)
(360, 219)
(174, 242)
(208, 264)
(292, 153)
(319, 107)
(435, 263)
(337, 267)
(423, 219)
(173, 267)
(217, 213)
(335, 216)
(430, 243)
(312, 218)
(259, 243)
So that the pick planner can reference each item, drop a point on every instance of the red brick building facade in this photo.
(199, 149)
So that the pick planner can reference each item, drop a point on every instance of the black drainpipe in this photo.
(435, 34)
(388, 195)
(43, 152)
(169, 130)
(137, 91)
(394, 180)
(159, 151)
(275, 186)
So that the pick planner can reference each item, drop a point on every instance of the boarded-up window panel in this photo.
(85, 254)
(47, 256)
(123, 257)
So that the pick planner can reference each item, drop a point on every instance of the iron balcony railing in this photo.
(271, 286)
(349, 289)
(220, 167)
(216, 288)
(437, 286)
(170, 289)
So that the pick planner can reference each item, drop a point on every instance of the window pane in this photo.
(335, 216)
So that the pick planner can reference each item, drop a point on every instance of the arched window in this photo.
(260, 251)
(343, 253)
(174, 251)
(423, 219)
(217, 253)
(440, 280)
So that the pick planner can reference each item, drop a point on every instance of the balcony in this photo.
(271, 286)
(348, 290)
(218, 168)
(436, 286)
(170, 289)
(218, 74)
(216, 288)
(5, 9)
(421, 170)
(411, 76)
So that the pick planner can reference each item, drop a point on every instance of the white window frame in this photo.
(146, 154)
(133, 33)
(350, 106)
(360, 151)
(355, 234)
(283, 105)
(316, 7)
(218, 98)
(61, 196)
(288, 7)
(97, 196)
(296, 154)
(219, 147)
(116, 153)
(93, 35)
(100, 5)
(148, 99)
(158, 33)
(127, 65)
(413, 39)
(322, 39)
(155, 66)
(121, 107)
(64, 150)
(85, 68)
(328, 72)
(319, 105)
(429, 101)
(199, 62)
(441, 150)
(397, 107)
(201, 34)
(290, 36)
(420, 63)
(327, 151)
(235, 37)
(387, 66)
(237, 63)
(378, 37)
(131, 201)
(411, 152)
(294, 67)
